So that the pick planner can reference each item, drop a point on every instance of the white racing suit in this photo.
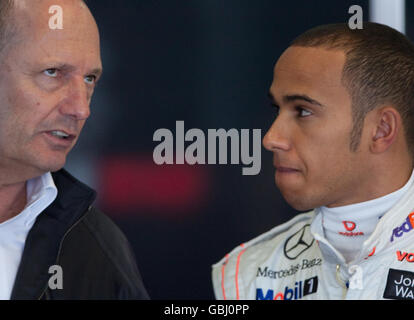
(295, 261)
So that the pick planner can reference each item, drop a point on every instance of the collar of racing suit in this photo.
(390, 229)
(347, 227)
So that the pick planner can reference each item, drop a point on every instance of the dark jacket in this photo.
(95, 257)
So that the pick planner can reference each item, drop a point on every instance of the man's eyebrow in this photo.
(97, 71)
(294, 97)
(304, 97)
(65, 66)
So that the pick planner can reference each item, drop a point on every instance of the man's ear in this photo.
(386, 127)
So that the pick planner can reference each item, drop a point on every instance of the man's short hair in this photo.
(379, 69)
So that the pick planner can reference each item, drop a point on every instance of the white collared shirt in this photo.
(41, 192)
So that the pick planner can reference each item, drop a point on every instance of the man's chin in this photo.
(298, 201)
(50, 164)
(301, 207)
(53, 167)
(298, 205)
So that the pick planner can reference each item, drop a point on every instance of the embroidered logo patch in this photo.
(298, 243)
(400, 285)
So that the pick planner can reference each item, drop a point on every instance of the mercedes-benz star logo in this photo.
(298, 243)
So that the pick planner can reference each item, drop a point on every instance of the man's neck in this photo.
(12, 200)
(374, 185)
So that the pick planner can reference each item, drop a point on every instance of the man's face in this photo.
(47, 78)
(311, 134)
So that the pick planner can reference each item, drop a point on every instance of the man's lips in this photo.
(64, 135)
(285, 169)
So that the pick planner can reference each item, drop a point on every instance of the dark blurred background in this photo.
(208, 63)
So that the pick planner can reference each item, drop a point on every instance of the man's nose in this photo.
(77, 100)
(276, 137)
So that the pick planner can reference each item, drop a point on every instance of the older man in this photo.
(53, 243)
(343, 145)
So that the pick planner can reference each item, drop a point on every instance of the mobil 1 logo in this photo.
(400, 285)
(301, 289)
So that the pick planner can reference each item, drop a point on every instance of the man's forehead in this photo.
(40, 11)
(313, 72)
(26, 4)
(310, 66)
(34, 17)
(76, 44)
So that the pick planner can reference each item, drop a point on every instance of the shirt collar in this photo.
(39, 186)
(41, 191)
